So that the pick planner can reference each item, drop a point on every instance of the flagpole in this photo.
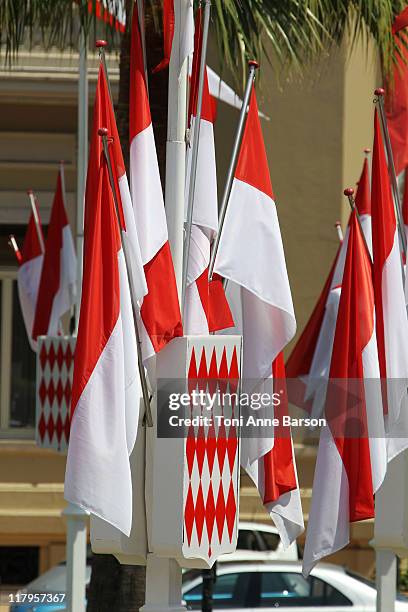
(194, 154)
(101, 45)
(36, 220)
(103, 133)
(349, 193)
(253, 66)
(337, 225)
(141, 18)
(379, 101)
(13, 243)
(82, 162)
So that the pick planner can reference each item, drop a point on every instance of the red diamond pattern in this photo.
(54, 392)
(42, 426)
(51, 356)
(210, 507)
(60, 357)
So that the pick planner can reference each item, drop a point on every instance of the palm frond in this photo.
(287, 32)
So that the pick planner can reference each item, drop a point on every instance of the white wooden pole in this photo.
(82, 162)
(386, 580)
(176, 145)
(76, 557)
(163, 575)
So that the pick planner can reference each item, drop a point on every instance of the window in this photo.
(270, 540)
(286, 590)
(17, 364)
(17, 360)
(247, 540)
(18, 564)
(230, 591)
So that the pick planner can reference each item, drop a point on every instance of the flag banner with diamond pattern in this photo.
(55, 365)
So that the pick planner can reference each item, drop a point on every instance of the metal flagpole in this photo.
(36, 220)
(379, 101)
(82, 162)
(101, 45)
(253, 65)
(337, 225)
(349, 193)
(141, 17)
(194, 153)
(103, 133)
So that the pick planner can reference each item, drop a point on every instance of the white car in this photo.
(259, 542)
(254, 587)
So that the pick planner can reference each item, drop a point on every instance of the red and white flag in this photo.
(275, 473)
(351, 461)
(109, 11)
(298, 366)
(160, 310)
(405, 206)
(320, 365)
(251, 257)
(206, 308)
(250, 242)
(57, 289)
(391, 313)
(396, 100)
(29, 274)
(106, 387)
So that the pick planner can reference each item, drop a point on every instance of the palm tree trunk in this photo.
(113, 586)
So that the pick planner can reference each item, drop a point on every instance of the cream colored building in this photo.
(315, 138)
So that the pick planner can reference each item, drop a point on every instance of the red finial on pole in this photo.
(253, 63)
(101, 44)
(349, 192)
(103, 131)
(380, 91)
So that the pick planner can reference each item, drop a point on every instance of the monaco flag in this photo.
(160, 311)
(104, 117)
(29, 274)
(57, 289)
(299, 364)
(275, 474)
(320, 364)
(206, 308)
(351, 461)
(391, 314)
(106, 386)
(251, 257)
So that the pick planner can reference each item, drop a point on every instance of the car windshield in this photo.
(371, 583)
